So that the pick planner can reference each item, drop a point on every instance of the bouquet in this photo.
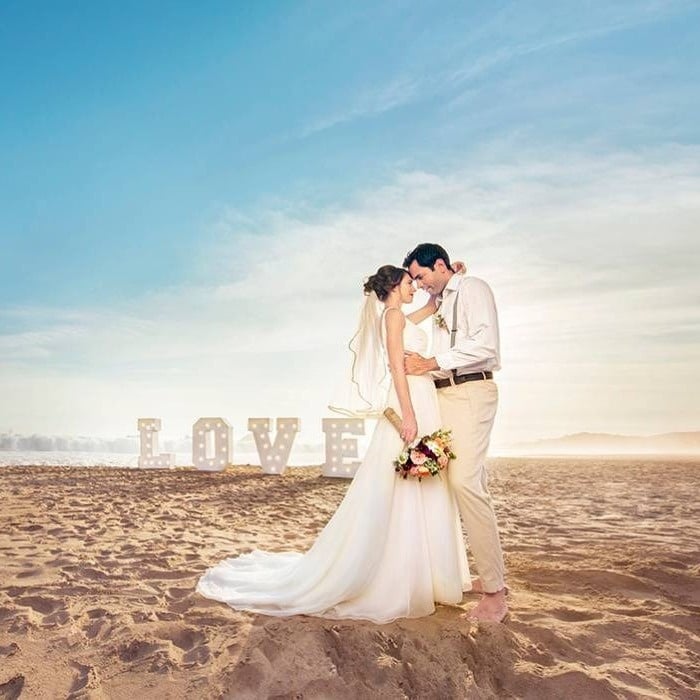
(426, 456)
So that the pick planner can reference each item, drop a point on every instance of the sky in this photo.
(191, 195)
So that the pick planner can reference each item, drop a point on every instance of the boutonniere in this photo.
(440, 322)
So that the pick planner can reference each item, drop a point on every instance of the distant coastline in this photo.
(85, 451)
(608, 444)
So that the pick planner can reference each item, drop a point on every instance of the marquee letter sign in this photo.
(149, 458)
(212, 444)
(274, 458)
(337, 447)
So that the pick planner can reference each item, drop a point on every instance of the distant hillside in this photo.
(605, 443)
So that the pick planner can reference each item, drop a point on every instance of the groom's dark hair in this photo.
(426, 254)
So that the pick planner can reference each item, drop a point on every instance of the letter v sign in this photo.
(274, 457)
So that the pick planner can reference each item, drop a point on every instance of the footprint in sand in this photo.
(192, 643)
(178, 593)
(9, 650)
(100, 619)
(574, 615)
(138, 649)
(165, 616)
(199, 656)
(29, 573)
(12, 689)
(90, 572)
(87, 680)
(99, 628)
(41, 604)
(165, 575)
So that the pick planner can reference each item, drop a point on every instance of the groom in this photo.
(466, 348)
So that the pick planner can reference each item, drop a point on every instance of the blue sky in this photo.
(190, 193)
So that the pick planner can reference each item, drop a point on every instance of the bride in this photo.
(394, 546)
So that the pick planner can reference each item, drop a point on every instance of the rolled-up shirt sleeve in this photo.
(477, 341)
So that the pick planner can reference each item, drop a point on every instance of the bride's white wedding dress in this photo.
(391, 550)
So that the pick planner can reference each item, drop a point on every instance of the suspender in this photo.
(453, 332)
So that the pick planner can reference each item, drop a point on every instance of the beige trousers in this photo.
(469, 410)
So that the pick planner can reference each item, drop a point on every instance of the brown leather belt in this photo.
(461, 378)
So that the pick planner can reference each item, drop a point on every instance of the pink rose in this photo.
(417, 457)
(413, 471)
(442, 461)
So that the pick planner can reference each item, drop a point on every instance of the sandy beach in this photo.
(98, 568)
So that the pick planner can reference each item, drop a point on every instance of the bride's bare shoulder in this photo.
(394, 318)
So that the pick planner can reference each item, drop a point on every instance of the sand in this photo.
(98, 568)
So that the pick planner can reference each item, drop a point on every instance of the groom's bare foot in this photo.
(491, 608)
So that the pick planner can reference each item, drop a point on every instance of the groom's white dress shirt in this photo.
(476, 347)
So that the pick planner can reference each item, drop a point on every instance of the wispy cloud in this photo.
(398, 92)
(513, 33)
(592, 261)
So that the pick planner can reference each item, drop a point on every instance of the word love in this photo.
(212, 444)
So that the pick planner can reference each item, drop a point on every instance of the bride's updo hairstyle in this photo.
(384, 280)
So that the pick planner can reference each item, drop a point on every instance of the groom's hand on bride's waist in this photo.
(417, 364)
